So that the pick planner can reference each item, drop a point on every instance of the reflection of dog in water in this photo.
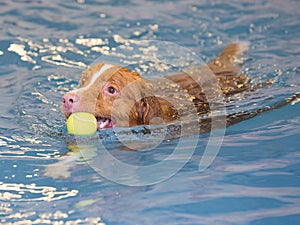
(120, 97)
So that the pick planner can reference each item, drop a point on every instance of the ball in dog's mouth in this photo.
(82, 123)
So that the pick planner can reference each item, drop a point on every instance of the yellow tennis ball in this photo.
(82, 123)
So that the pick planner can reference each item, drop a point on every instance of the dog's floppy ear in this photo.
(145, 110)
(147, 107)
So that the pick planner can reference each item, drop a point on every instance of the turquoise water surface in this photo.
(44, 47)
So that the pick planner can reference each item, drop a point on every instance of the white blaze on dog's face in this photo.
(99, 87)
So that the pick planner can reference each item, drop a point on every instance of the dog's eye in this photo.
(111, 90)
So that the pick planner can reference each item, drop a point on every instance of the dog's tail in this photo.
(230, 57)
(226, 66)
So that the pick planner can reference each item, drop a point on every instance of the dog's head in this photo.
(115, 95)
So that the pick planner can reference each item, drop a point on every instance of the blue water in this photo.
(44, 47)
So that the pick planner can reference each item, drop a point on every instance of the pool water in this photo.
(44, 47)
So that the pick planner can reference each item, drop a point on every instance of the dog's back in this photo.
(181, 94)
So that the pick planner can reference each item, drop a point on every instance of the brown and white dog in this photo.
(120, 97)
